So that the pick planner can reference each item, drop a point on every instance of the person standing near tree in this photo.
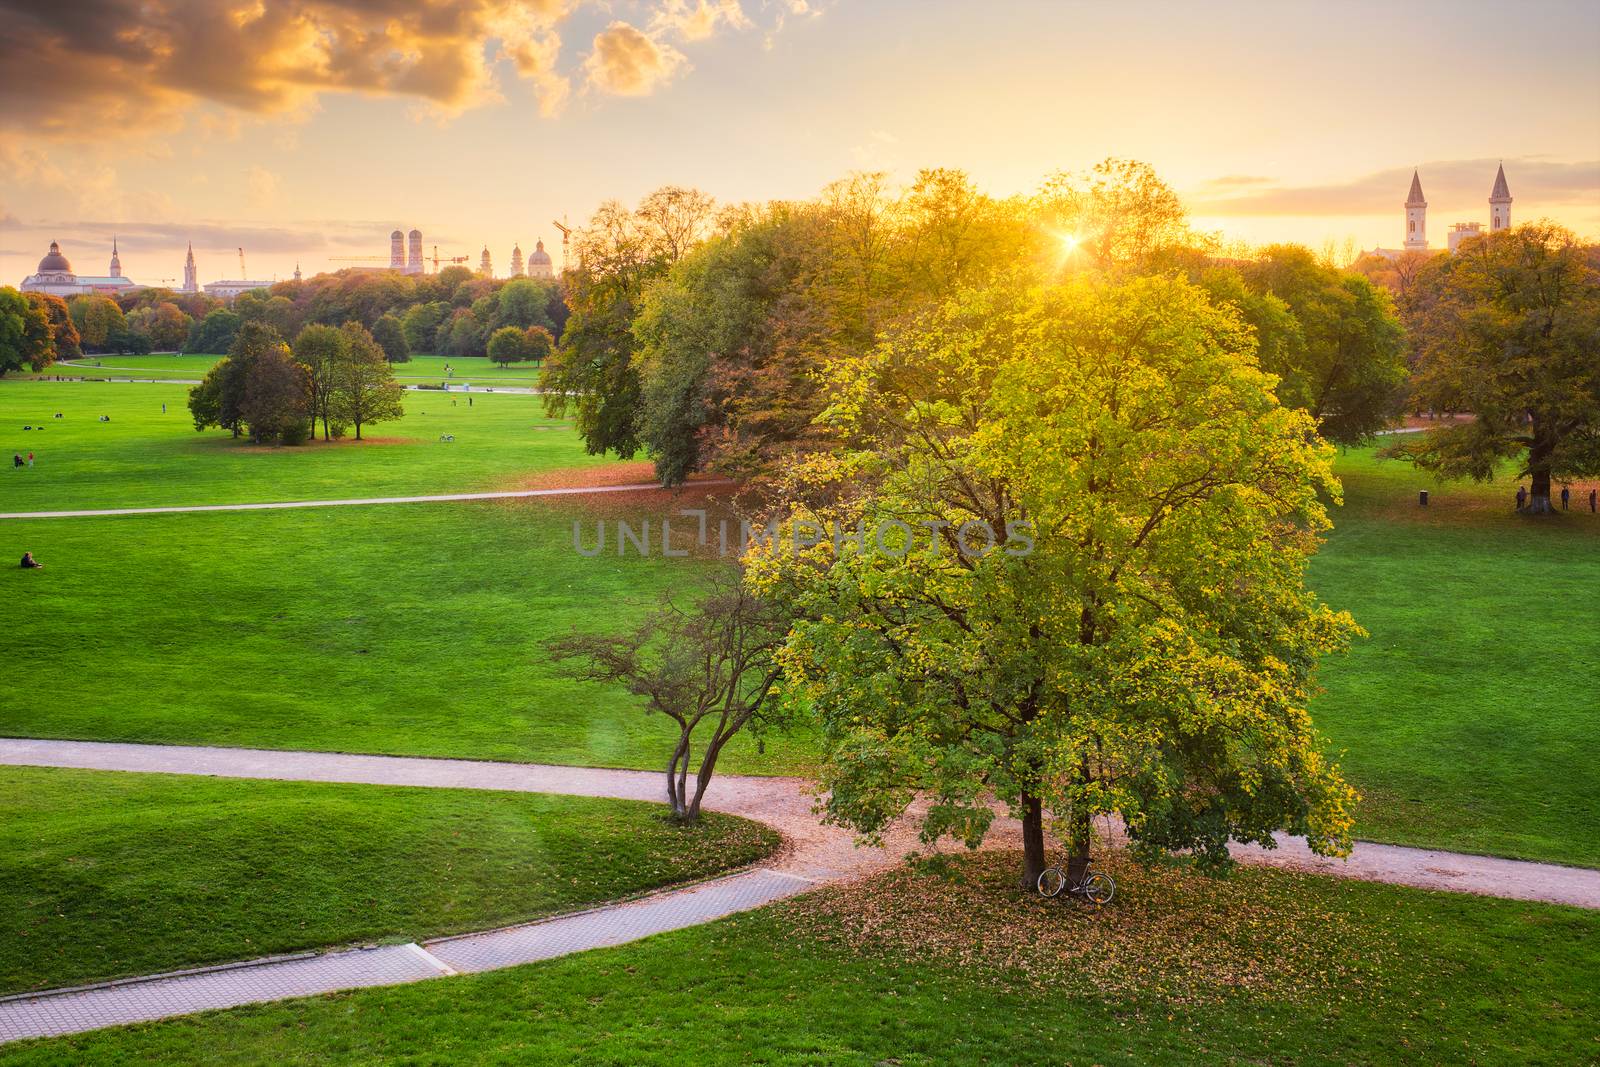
(1566, 494)
(1522, 497)
(1591, 500)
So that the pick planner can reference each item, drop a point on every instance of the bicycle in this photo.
(1095, 887)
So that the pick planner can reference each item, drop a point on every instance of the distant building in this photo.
(1417, 219)
(485, 265)
(539, 265)
(516, 261)
(228, 289)
(297, 270)
(55, 277)
(190, 282)
(414, 253)
(397, 251)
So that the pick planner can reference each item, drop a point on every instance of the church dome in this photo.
(55, 261)
(539, 255)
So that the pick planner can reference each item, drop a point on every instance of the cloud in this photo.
(626, 61)
(260, 184)
(1445, 183)
(700, 20)
(90, 68)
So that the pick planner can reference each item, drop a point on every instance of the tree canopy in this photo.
(1131, 635)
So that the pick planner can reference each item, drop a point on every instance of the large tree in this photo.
(26, 339)
(364, 389)
(320, 349)
(1342, 357)
(619, 252)
(1510, 331)
(1137, 641)
(62, 332)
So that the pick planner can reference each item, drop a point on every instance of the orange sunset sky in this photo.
(308, 129)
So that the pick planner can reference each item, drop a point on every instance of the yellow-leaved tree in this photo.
(1059, 560)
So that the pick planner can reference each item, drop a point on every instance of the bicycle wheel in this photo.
(1052, 881)
(1098, 888)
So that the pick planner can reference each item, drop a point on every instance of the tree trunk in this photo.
(1539, 499)
(1078, 848)
(680, 753)
(1033, 862)
(708, 766)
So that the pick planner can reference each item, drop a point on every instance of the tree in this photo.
(508, 344)
(277, 395)
(391, 337)
(210, 402)
(26, 339)
(1344, 359)
(364, 389)
(618, 253)
(538, 343)
(524, 302)
(320, 349)
(465, 337)
(1136, 638)
(710, 665)
(166, 326)
(62, 332)
(1120, 214)
(214, 333)
(421, 325)
(1509, 329)
(98, 320)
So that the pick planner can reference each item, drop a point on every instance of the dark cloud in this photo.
(1448, 182)
(89, 67)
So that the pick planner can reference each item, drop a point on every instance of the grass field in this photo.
(1469, 717)
(144, 456)
(410, 629)
(106, 874)
(1418, 978)
(476, 370)
(1466, 719)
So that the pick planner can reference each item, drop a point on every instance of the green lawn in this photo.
(1469, 717)
(411, 629)
(476, 370)
(145, 456)
(106, 874)
(1418, 978)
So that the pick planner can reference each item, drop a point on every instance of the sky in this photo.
(305, 130)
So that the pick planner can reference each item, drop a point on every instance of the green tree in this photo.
(98, 320)
(508, 344)
(62, 332)
(619, 252)
(223, 397)
(167, 326)
(421, 325)
(538, 343)
(391, 337)
(523, 302)
(320, 349)
(1344, 360)
(1509, 330)
(214, 333)
(1119, 215)
(26, 339)
(364, 390)
(1136, 638)
(465, 336)
(277, 396)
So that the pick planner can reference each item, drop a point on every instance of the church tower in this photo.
(485, 266)
(1500, 203)
(190, 282)
(116, 262)
(516, 261)
(1416, 217)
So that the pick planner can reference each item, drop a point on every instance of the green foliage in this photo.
(391, 337)
(99, 321)
(1145, 647)
(214, 333)
(1509, 329)
(26, 338)
(63, 334)
(508, 344)
(363, 387)
(421, 325)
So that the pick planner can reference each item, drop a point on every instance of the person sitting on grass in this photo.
(29, 563)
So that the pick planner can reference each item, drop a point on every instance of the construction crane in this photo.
(566, 232)
(358, 259)
(452, 260)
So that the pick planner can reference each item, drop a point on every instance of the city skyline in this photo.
(566, 105)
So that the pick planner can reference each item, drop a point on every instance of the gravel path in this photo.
(811, 854)
(279, 505)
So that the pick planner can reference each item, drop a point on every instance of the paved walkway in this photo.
(811, 854)
(514, 494)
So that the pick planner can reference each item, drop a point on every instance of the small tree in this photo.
(537, 344)
(321, 348)
(277, 397)
(1509, 329)
(364, 389)
(711, 665)
(62, 331)
(508, 344)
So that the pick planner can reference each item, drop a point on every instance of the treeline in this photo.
(338, 377)
(705, 337)
(452, 313)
